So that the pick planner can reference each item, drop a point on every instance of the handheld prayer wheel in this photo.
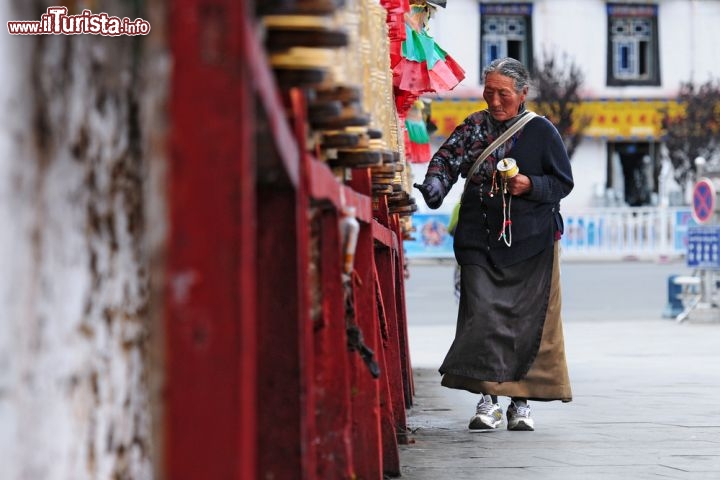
(508, 168)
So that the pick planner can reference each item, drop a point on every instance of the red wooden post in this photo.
(404, 347)
(247, 294)
(286, 409)
(332, 362)
(367, 439)
(386, 271)
(210, 303)
(284, 369)
(391, 455)
(391, 275)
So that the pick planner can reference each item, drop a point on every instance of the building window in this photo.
(505, 31)
(633, 56)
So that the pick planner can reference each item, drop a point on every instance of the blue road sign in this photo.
(703, 250)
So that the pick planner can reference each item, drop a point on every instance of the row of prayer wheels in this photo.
(302, 39)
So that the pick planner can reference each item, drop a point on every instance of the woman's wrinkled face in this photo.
(502, 99)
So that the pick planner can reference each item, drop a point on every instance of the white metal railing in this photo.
(622, 232)
(614, 233)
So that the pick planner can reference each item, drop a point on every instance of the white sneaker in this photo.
(488, 415)
(519, 418)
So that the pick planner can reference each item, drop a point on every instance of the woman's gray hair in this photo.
(509, 67)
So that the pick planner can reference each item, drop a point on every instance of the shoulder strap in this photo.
(499, 141)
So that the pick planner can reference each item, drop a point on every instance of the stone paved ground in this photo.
(646, 406)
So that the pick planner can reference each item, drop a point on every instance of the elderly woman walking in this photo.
(509, 338)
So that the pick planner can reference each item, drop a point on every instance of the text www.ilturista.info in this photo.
(57, 22)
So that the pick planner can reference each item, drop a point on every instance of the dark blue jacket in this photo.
(541, 155)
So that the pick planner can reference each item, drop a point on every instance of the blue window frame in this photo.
(633, 47)
(505, 31)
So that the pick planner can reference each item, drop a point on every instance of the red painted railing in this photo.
(260, 382)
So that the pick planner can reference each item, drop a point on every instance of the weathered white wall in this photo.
(74, 256)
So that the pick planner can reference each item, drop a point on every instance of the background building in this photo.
(634, 56)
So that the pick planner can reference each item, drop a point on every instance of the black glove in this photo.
(432, 191)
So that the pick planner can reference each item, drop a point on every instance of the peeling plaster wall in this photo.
(77, 191)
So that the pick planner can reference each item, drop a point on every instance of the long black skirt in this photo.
(500, 319)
